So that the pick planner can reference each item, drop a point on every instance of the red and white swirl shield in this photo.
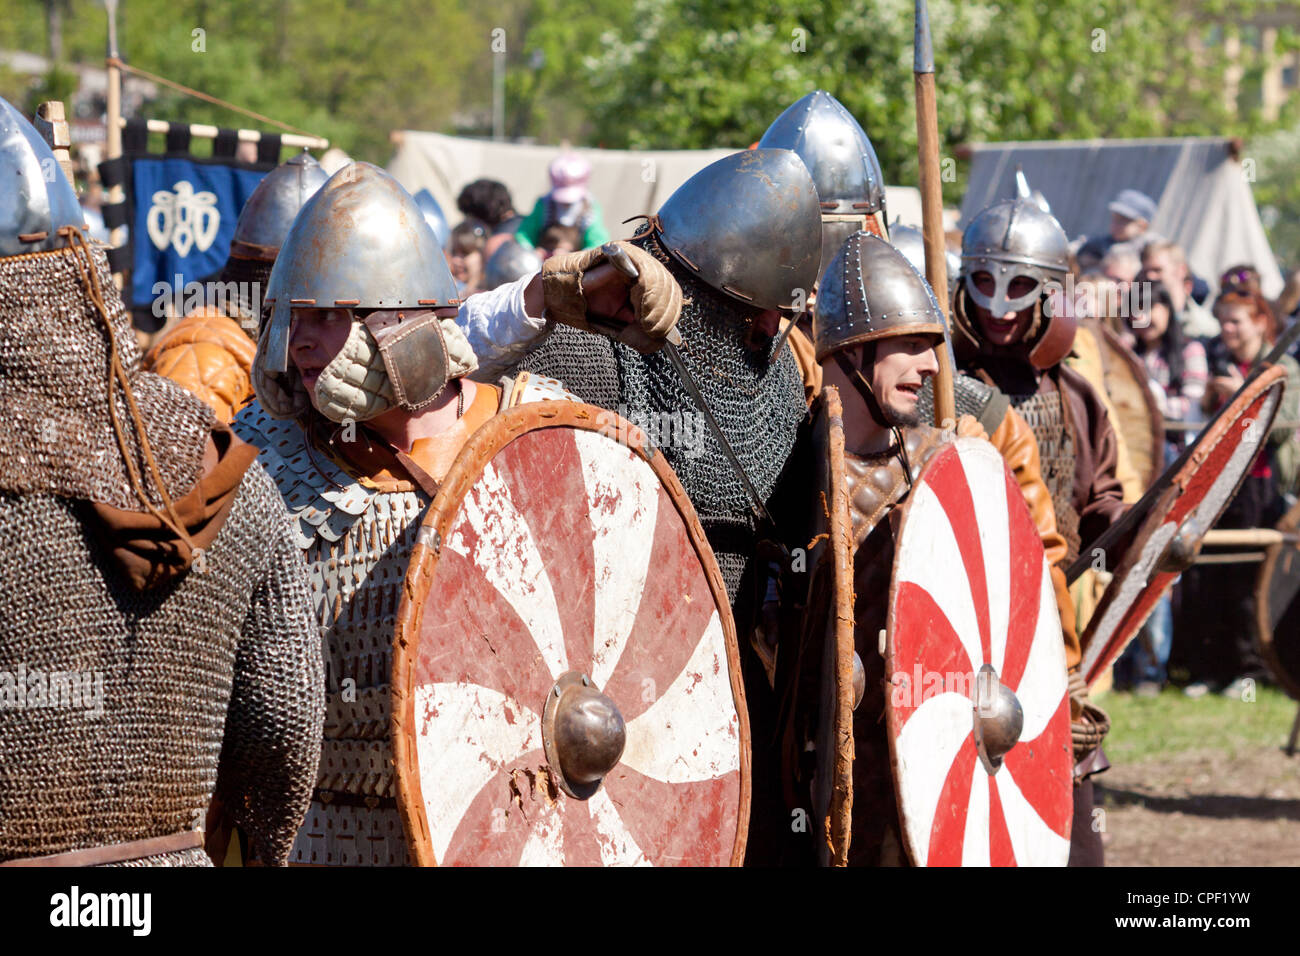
(554, 548)
(971, 589)
(1192, 504)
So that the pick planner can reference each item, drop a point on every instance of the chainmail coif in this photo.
(758, 405)
(56, 435)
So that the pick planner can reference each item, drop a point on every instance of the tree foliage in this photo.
(685, 73)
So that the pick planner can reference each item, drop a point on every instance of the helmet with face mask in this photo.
(842, 163)
(361, 243)
(1020, 254)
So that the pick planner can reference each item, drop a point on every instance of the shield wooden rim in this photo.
(1138, 372)
(835, 560)
(481, 448)
(1264, 633)
(1061, 810)
(1117, 615)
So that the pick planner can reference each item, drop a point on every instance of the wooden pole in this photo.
(207, 131)
(1246, 537)
(927, 150)
(113, 140)
(52, 123)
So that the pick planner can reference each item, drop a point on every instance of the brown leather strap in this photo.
(118, 852)
(249, 250)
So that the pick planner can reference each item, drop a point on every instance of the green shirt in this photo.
(534, 224)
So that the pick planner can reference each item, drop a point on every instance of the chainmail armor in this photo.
(213, 682)
(758, 405)
(56, 436)
(983, 402)
(1046, 418)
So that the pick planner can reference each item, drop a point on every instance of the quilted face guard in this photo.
(421, 353)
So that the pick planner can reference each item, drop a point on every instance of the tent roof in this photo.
(1203, 198)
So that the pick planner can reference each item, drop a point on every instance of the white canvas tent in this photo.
(625, 182)
(1203, 198)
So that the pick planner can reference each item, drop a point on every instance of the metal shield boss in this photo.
(978, 713)
(566, 678)
(1170, 535)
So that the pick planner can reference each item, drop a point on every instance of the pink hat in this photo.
(569, 175)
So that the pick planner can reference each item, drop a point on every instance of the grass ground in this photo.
(1200, 782)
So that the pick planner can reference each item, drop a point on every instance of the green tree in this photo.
(350, 70)
(697, 73)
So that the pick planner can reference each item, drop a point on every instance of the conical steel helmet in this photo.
(871, 291)
(269, 212)
(434, 216)
(360, 242)
(841, 161)
(836, 150)
(36, 199)
(748, 225)
(510, 262)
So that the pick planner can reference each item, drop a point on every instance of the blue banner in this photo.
(185, 215)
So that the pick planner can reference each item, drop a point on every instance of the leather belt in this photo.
(117, 852)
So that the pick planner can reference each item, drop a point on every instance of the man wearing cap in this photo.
(1131, 215)
(569, 203)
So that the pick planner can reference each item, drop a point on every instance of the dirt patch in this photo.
(1203, 808)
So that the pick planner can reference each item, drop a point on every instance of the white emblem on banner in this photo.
(183, 219)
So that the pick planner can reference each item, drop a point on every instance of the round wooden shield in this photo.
(974, 638)
(1138, 417)
(1197, 495)
(561, 549)
(827, 639)
(1277, 608)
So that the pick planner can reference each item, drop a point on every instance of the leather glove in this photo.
(1089, 724)
(655, 297)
